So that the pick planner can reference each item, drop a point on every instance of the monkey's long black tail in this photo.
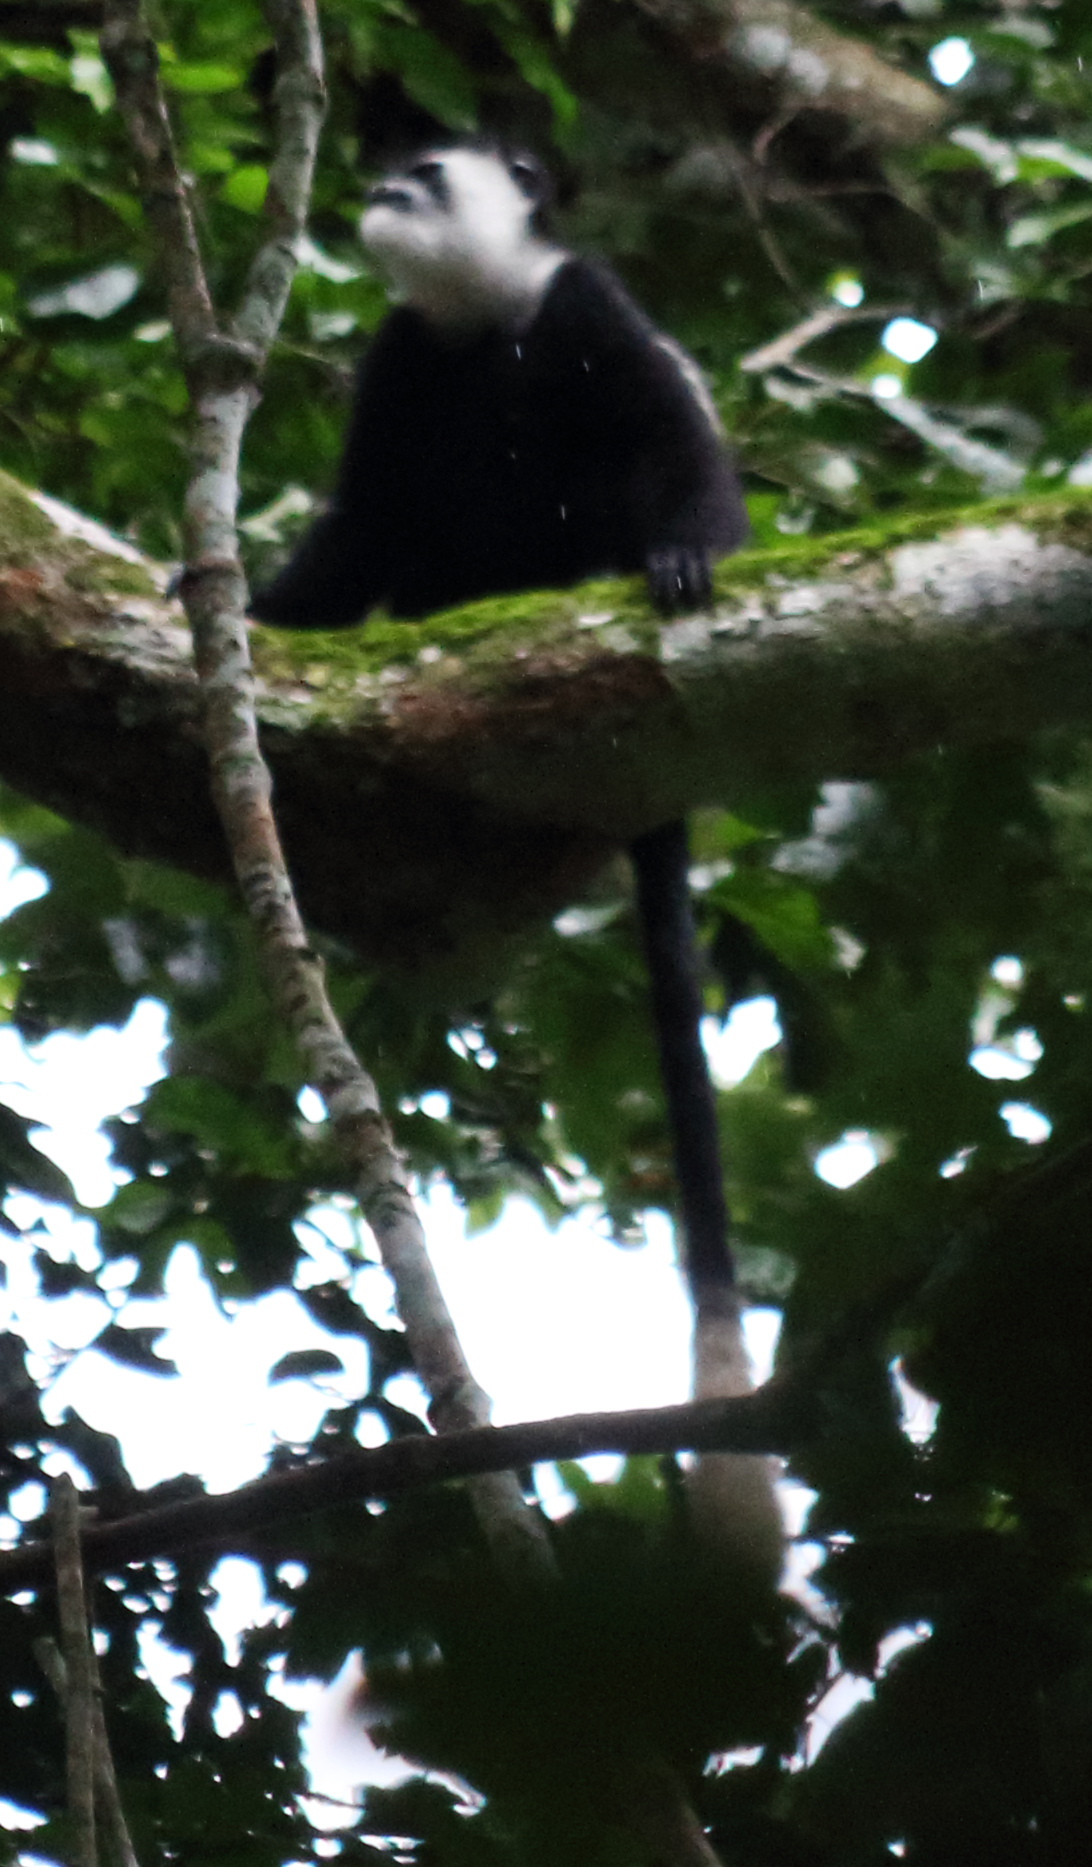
(661, 864)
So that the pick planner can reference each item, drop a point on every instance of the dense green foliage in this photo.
(877, 912)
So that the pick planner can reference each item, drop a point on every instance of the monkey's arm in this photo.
(331, 581)
(658, 435)
(341, 568)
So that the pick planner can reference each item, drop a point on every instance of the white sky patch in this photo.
(18, 882)
(885, 386)
(957, 1163)
(171, 1424)
(325, 325)
(169, 1671)
(267, 525)
(327, 1235)
(908, 339)
(848, 1160)
(240, 1602)
(1009, 1060)
(850, 1689)
(97, 295)
(33, 151)
(227, 1715)
(918, 1412)
(13, 1816)
(338, 1752)
(562, 1321)
(951, 60)
(71, 1083)
(899, 1640)
(310, 1104)
(733, 1048)
(27, 1502)
(1008, 971)
(89, 75)
(529, 1304)
(848, 292)
(1026, 1123)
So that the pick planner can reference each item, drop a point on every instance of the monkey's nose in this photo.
(390, 194)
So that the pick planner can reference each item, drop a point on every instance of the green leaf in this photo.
(134, 1348)
(246, 188)
(535, 64)
(785, 916)
(23, 1165)
(141, 1207)
(91, 78)
(302, 1364)
(1035, 229)
(1055, 157)
(433, 76)
(204, 80)
(35, 62)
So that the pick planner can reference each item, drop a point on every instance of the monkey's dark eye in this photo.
(427, 170)
(529, 178)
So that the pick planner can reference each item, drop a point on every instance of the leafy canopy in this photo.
(899, 925)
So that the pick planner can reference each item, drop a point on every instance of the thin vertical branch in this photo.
(132, 58)
(79, 1693)
(108, 1798)
(300, 98)
(223, 366)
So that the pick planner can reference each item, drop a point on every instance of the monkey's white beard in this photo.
(472, 261)
(457, 286)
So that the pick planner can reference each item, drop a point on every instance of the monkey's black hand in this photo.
(679, 578)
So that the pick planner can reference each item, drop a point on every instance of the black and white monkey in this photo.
(520, 424)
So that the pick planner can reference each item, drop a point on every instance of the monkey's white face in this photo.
(453, 235)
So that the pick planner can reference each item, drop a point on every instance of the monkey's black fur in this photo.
(660, 862)
(507, 453)
(497, 462)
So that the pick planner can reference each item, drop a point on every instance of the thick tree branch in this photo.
(811, 66)
(436, 807)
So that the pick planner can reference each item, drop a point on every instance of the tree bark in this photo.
(480, 767)
(808, 64)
